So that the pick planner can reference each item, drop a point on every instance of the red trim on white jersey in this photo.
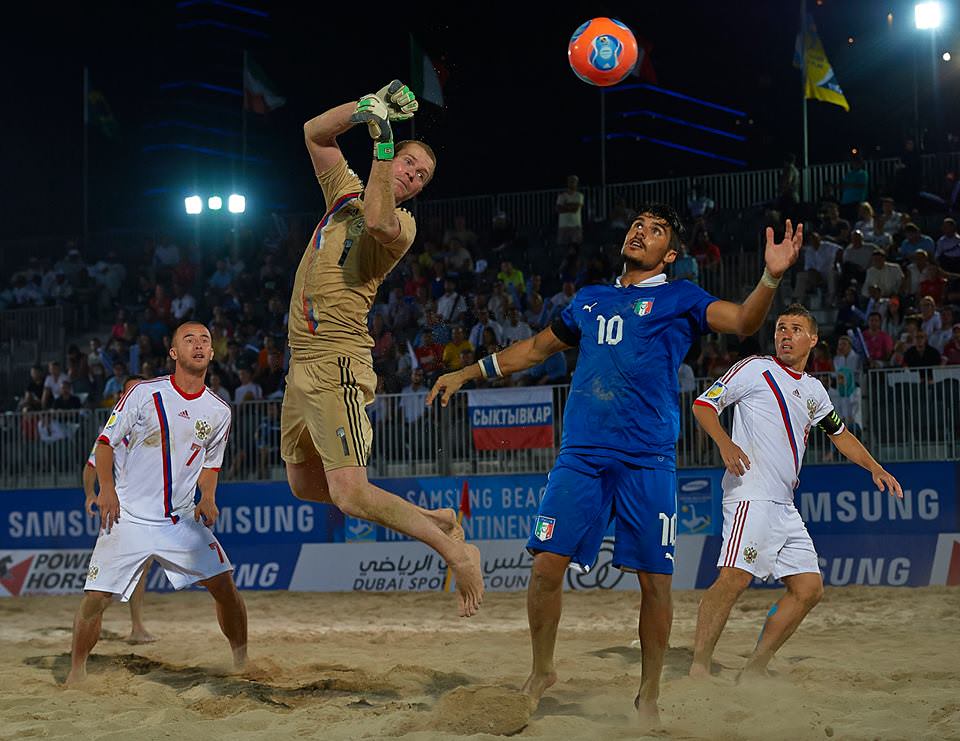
(737, 367)
(702, 403)
(184, 394)
(787, 368)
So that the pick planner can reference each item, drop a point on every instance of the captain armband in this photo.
(832, 424)
(490, 367)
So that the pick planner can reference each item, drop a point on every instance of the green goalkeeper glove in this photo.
(372, 111)
(400, 100)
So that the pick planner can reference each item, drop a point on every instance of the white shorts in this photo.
(766, 538)
(187, 551)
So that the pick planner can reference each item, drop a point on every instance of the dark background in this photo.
(515, 117)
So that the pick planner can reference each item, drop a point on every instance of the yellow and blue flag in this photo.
(820, 82)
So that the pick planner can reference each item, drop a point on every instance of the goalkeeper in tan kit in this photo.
(326, 434)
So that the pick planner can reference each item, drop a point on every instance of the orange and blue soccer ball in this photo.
(603, 51)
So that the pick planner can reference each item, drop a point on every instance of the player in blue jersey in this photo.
(617, 456)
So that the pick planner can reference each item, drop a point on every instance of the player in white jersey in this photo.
(138, 631)
(177, 431)
(775, 405)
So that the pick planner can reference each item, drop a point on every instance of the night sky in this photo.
(515, 116)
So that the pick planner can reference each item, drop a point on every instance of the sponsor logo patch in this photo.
(543, 528)
(716, 390)
(113, 420)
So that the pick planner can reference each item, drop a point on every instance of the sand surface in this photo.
(869, 663)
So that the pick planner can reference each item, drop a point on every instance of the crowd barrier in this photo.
(275, 541)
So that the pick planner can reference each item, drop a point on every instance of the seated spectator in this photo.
(947, 252)
(483, 322)
(114, 385)
(461, 234)
(921, 355)
(183, 304)
(820, 259)
(699, 204)
(832, 227)
(413, 396)
(222, 276)
(569, 219)
(847, 357)
(217, 387)
(924, 278)
(881, 273)
(515, 329)
(866, 220)
(35, 384)
(537, 314)
(788, 187)
(856, 258)
(929, 316)
(161, 303)
(268, 441)
(248, 390)
(498, 302)
(50, 430)
(820, 361)
(704, 251)
(563, 297)
(51, 384)
(270, 379)
(849, 315)
(185, 272)
(938, 340)
(66, 398)
(451, 306)
(453, 350)
(413, 284)
(897, 360)
(60, 290)
(879, 343)
(154, 327)
(685, 267)
(855, 187)
(488, 344)
(951, 350)
(429, 354)
(459, 260)
(914, 240)
(712, 361)
(889, 219)
(166, 254)
(512, 279)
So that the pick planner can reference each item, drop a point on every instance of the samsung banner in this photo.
(278, 542)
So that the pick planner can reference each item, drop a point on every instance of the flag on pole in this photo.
(97, 111)
(424, 77)
(259, 92)
(820, 82)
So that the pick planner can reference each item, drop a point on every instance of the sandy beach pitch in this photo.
(869, 663)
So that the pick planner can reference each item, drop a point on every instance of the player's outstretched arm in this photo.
(747, 318)
(321, 132)
(848, 444)
(519, 356)
(734, 459)
(207, 506)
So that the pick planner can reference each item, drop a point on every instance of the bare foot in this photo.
(446, 520)
(240, 658)
(467, 572)
(536, 685)
(699, 671)
(140, 635)
(75, 677)
(647, 712)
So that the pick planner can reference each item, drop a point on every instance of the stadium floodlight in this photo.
(928, 16)
(236, 204)
(214, 203)
(946, 56)
(193, 205)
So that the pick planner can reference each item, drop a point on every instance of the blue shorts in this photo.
(585, 493)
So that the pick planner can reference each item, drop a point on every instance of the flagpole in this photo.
(86, 157)
(603, 154)
(243, 122)
(805, 176)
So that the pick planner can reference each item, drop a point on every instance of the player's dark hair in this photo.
(400, 146)
(801, 310)
(136, 378)
(667, 213)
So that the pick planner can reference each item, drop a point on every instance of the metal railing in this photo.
(735, 190)
(900, 415)
(28, 336)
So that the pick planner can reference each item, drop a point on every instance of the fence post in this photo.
(445, 451)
